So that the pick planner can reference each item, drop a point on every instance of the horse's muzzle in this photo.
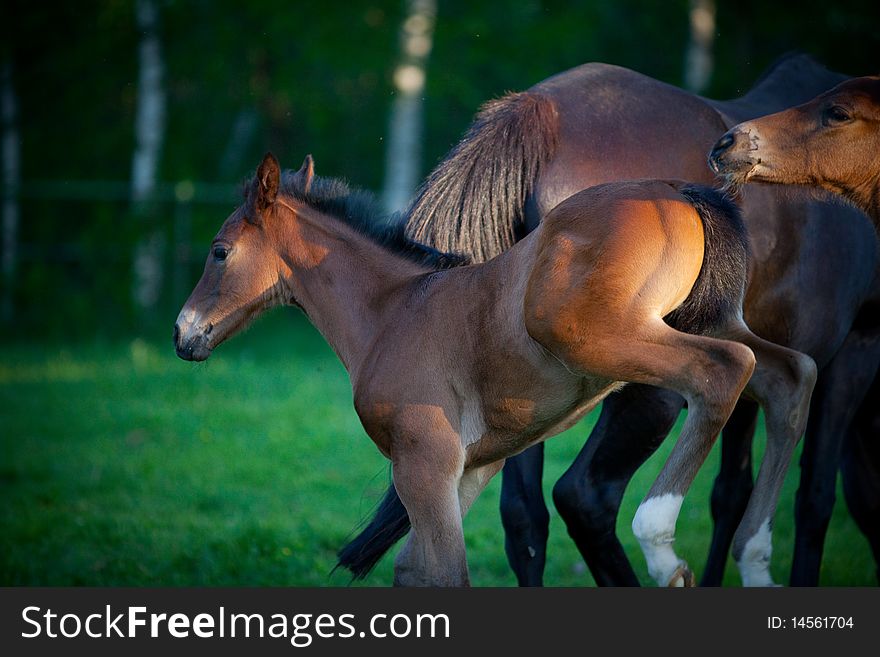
(194, 348)
(191, 342)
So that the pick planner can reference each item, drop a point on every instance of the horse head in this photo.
(244, 272)
(830, 142)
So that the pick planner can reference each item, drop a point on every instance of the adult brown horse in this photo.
(598, 123)
(831, 142)
(454, 370)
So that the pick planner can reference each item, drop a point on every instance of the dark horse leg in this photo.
(524, 515)
(840, 389)
(733, 487)
(632, 424)
(861, 470)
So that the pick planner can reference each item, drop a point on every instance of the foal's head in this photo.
(244, 271)
(831, 142)
(285, 226)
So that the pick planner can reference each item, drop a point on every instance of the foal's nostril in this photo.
(723, 144)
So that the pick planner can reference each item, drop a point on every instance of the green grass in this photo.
(122, 465)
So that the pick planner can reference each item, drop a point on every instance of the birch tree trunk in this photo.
(149, 132)
(240, 136)
(699, 64)
(404, 145)
(11, 182)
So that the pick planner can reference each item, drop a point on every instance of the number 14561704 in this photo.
(809, 623)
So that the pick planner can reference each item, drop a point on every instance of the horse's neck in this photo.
(347, 285)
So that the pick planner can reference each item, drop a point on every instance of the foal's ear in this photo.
(268, 179)
(303, 178)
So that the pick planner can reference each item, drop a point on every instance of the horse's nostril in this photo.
(176, 334)
(724, 143)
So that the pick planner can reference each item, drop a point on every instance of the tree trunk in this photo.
(149, 132)
(403, 154)
(698, 60)
(241, 135)
(11, 182)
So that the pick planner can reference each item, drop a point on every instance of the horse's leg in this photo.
(708, 373)
(434, 554)
(861, 470)
(632, 424)
(782, 383)
(719, 375)
(733, 487)
(524, 515)
(427, 467)
(842, 385)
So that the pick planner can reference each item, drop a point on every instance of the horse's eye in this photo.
(835, 115)
(220, 253)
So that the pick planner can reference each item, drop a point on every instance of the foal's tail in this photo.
(389, 525)
(474, 201)
(717, 294)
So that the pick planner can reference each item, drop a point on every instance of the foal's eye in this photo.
(220, 253)
(835, 115)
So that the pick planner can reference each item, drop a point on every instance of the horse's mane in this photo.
(360, 209)
(784, 61)
(791, 79)
(473, 202)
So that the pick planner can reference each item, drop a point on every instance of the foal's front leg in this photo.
(427, 466)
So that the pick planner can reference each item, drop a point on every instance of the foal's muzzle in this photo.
(190, 339)
(731, 155)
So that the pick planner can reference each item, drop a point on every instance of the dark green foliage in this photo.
(305, 77)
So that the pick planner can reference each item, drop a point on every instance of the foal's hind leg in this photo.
(708, 373)
(733, 487)
(782, 383)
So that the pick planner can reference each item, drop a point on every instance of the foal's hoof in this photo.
(683, 577)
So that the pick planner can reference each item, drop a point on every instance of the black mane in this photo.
(360, 209)
(788, 58)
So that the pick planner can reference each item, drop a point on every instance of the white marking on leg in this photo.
(754, 563)
(654, 527)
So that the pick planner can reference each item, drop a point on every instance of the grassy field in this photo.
(122, 465)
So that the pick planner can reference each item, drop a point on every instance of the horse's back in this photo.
(616, 124)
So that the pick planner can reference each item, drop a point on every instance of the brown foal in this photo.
(455, 369)
(832, 142)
